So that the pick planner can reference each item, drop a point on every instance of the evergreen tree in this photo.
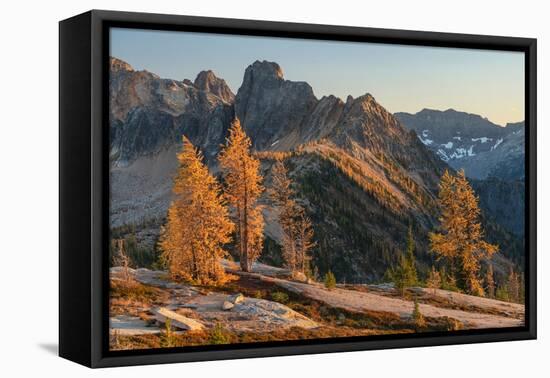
(448, 281)
(417, 317)
(241, 172)
(461, 241)
(402, 275)
(522, 288)
(405, 275)
(490, 281)
(330, 280)
(513, 286)
(410, 256)
(198, 223)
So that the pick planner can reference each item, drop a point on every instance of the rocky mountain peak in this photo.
(367, 97)
(271, 107)
(367, 102)
(208, 81)
(367, 107)
(264, 69)
(120, 65)
(515, 126)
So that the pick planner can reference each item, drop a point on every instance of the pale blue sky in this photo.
(401, 78)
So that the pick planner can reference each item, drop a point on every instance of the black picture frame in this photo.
(84, 187)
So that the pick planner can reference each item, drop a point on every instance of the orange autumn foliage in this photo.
(198, 223)
(243, 187)
(461, 240)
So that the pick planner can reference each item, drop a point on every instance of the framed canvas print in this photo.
(233, 188)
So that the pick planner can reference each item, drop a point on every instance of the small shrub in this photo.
(115, 339)
(434, 280)
(279, 296)
(404, 274)
(448, 282)
(452, 324)
(133, 290)
(258, 294)
(218, 335)
(168, 338)
(503, 293)
(417, 317)
(330, 280)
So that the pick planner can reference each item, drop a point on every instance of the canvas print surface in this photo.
(269, 189)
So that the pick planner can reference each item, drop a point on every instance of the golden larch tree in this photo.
(198, 224)
(243, 186)
(297, 229)
(461, 241)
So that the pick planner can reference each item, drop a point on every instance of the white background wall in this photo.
(29, 186)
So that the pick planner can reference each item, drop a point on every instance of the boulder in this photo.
(177, 320)
(227, 306)
(299, 276)
(237, 298)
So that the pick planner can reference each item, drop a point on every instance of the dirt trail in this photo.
(514, 310)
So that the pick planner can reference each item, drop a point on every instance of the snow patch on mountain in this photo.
(424, 138)
(443, 155)
(459, 153)
(482, 139)
(499, 141)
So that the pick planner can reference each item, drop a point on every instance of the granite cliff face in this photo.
(149, 114)
(208, 82)
(281, 115)
(271, 108)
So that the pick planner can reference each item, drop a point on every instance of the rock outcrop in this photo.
(208, 82)
(149, 114)
(271, 108)
(163, 315)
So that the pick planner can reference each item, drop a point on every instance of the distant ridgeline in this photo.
(362, 177)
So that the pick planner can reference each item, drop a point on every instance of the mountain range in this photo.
(363, 174)
(470, 142)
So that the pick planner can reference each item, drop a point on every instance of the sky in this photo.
(401, 78)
